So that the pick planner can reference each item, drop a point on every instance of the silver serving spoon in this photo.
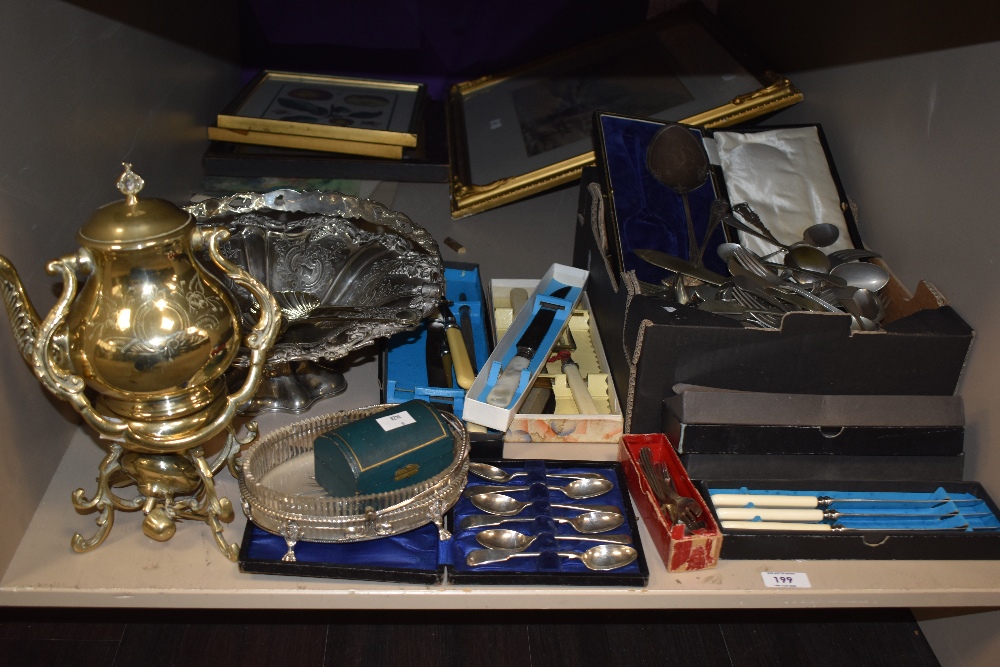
(808, 259)
(577, 489)
(495, 474)
(821, 235)
(504, 505)
(601, 557)
(587, 523)
(862, 275)
(677, 159)
(503, 538)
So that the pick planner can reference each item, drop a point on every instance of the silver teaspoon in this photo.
(504, 505)
(600, 557)
(502, 538)
(588, 523)
(495, 474)
(578, 489)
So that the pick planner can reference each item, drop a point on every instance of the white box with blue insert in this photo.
(520, 356)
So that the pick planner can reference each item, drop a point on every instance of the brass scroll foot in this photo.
(104, 501)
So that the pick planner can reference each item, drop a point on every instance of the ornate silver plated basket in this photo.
(345, 272)
(280, 493)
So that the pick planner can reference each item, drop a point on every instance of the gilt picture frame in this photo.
(369, 111)
(529, 130)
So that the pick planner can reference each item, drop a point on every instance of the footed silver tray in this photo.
(345, 272)
(280, 494)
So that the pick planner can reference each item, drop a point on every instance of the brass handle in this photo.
(258, 340)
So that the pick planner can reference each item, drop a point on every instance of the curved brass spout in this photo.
(24, 320)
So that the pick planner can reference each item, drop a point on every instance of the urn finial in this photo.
(130, 183)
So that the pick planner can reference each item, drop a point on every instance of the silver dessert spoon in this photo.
(504, 505)
(587, 523)
(503, 538)
(600, 557)
(495, 474)
(577, 489)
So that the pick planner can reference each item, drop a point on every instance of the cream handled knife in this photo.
(805, 515)
(503, 391)
(813, 502)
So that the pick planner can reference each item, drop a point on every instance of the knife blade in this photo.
(677, 265)
(503, 391)
(434, 356)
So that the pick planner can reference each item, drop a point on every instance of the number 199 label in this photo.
(785, 580)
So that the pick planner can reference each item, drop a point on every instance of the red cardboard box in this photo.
(696, 550)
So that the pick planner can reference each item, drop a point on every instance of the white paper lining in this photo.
(784, 176)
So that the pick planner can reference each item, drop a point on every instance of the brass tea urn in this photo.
(140, 351)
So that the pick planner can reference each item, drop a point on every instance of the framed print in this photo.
(529, 130)
(327, 107)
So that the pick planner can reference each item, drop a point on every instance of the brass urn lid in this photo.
(133, 223)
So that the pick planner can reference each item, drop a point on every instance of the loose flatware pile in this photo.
(759, 292)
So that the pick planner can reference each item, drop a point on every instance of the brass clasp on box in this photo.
(150, 333)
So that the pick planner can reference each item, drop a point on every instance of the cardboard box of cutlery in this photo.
(654, 342)
(552, 412)
(863, 520)
(419, 363)
(682, 547)
(504, 381)
(721, 434)
(559, 540)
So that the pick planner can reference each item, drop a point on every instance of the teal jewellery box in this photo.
(404, 445)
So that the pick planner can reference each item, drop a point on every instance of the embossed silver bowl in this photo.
(280, 493)
(345, 271)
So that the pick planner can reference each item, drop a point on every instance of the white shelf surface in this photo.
(188, 571)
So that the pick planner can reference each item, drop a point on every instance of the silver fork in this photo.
(851, 255)
(659, 489)
(690, 510)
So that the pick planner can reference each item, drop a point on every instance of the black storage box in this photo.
(869, 544)
(652, 343)
(722, 434)
(420, 556)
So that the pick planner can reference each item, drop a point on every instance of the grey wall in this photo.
(82, 93)
(907, 95)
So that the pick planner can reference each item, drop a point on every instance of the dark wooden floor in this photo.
(191, 638)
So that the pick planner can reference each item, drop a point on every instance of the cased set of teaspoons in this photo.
(549, 523)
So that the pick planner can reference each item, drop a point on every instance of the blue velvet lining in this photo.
(648, 213)
(414, 550)
(921, 517)
(422, 550)
(539, 522)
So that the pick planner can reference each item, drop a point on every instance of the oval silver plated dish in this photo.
(345, 271)
(280, 493)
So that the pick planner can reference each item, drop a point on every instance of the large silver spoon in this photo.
(504, 505)
(821, 235)
(807, 258)
(862, 275)
(587, 523)
(577, 490)
(502, 538)
(495, 474)
(678, 160)
(601, 557)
